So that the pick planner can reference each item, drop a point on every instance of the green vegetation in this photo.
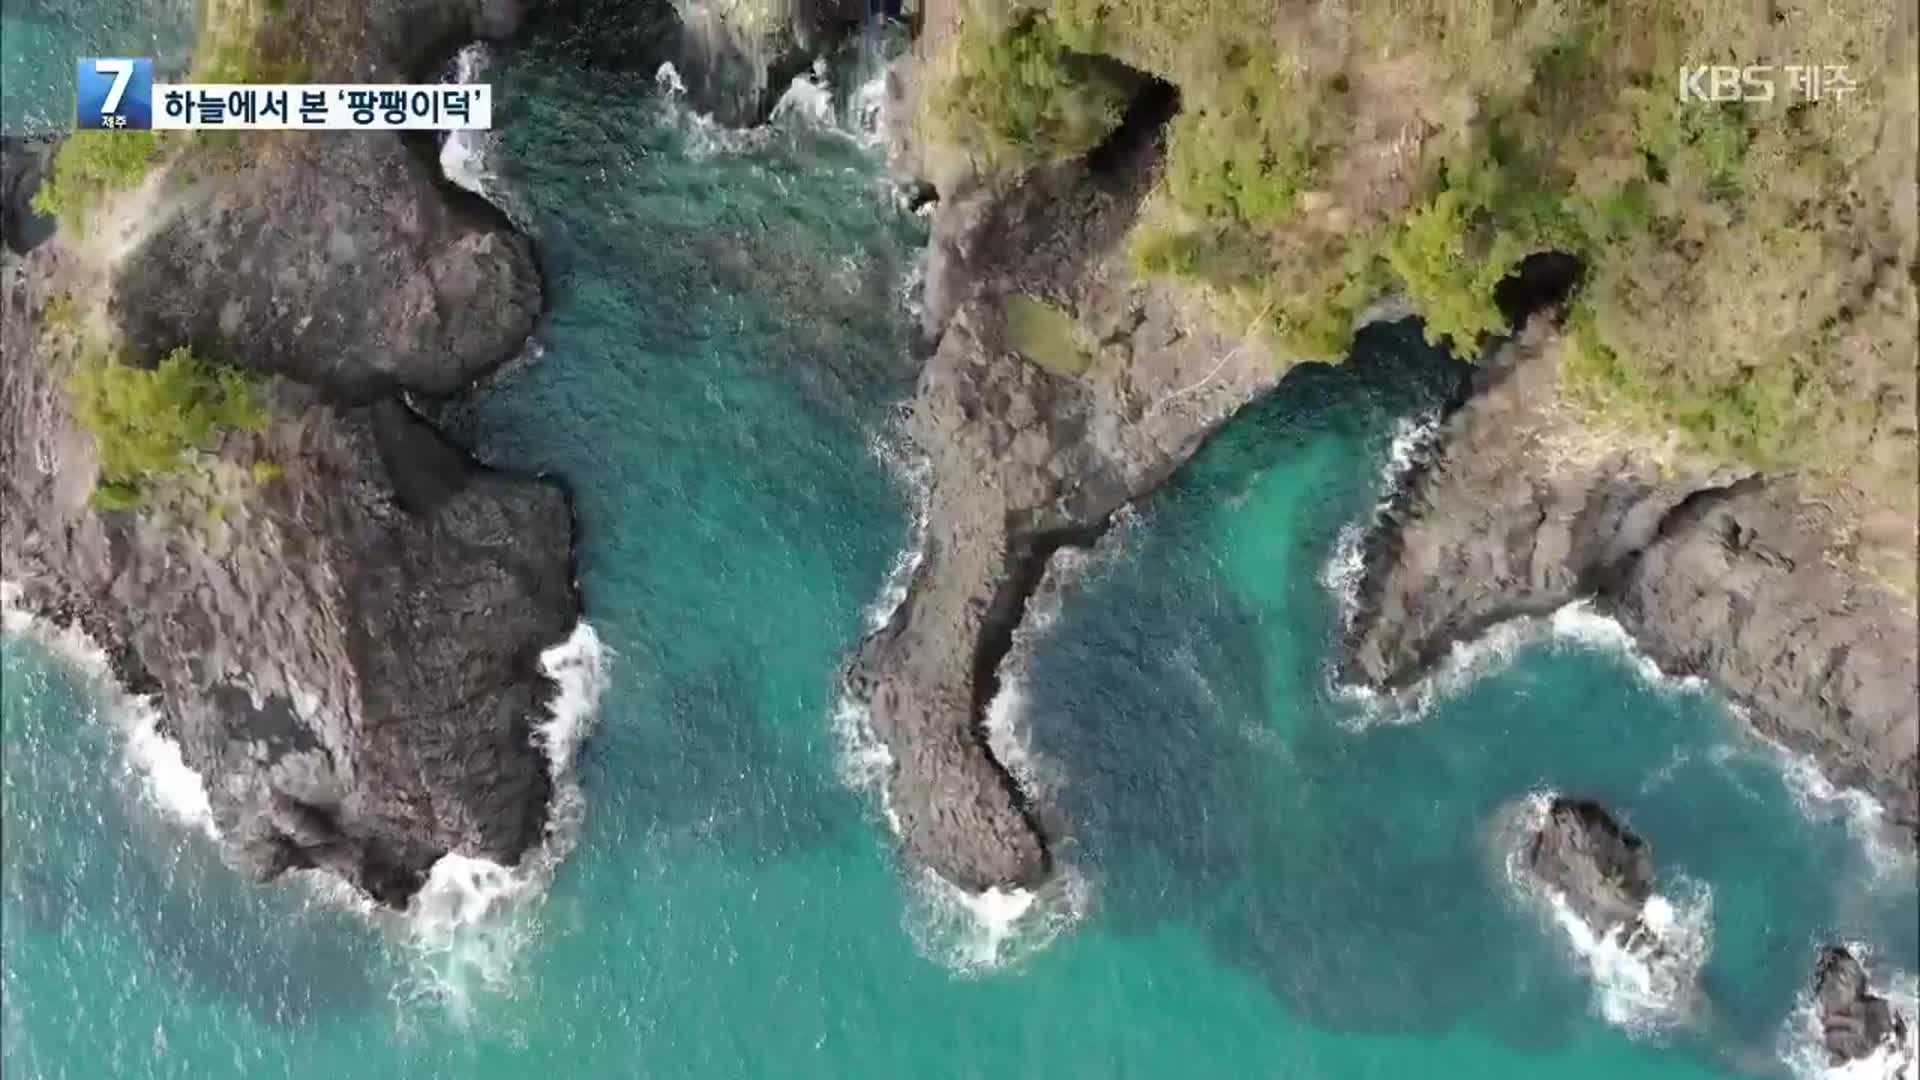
(91, 164)
(1045, 335)
(246, 41)
(1015, 95)
(1750, 266)
(147, 423)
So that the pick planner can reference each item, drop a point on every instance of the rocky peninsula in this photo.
(342, 617)
(1725, 573)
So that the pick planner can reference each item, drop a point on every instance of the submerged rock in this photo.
(1604, 871)
(1854, 1021)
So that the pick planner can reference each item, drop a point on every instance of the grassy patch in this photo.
(148, 424)
(1045, 335)
(247, 41)
(91, 164)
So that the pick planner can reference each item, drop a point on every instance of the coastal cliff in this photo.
(342, 615)
(1724, 573)
(1114, 205)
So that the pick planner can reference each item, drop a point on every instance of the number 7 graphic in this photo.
(122, 72)
(114, 92)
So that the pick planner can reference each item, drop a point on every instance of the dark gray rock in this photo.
(1025, 460)
(343, 263)
(348, 654)
(1726, 575)
(1603, 869)
(1854, 1022)
(23, 163)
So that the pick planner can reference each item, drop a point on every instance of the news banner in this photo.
(118, 94)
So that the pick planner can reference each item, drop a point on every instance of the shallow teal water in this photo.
(1274, 889)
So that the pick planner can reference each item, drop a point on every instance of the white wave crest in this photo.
(808, 99)
(1890, 855)
(1576, 625)
(464, 154)
(152, 760)
(1413, 439)
(466, 929)
(1645, 974)
(978, 933)
(1803, 1046)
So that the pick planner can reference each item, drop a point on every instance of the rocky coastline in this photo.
(1027, 457)
(1720, 573)
(349, 651)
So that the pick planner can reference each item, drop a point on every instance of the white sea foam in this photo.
(1412, 440)
(467, 927)
(808, 99)
(1889, 854)
(464, 154)
(1576, 625)
(151, 759)
(1645, 976)
(978, 933)
(1803, 1049)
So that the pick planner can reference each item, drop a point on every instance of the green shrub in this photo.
(1017, 96)
(90, 164)
(146, 423)
(1450, 258)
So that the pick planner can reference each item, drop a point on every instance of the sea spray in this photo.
(1412, 441)
(1645, 974)
(464, 155)
(149, 757)
(979, 933)
(1576, 625)
(466, 929)
(1802, 1042)
(1889, 854)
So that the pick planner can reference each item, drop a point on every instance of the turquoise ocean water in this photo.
(1266, 878)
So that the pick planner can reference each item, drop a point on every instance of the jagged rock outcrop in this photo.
(347, 653)
(1603, 870)
(1722, 574)
(1854, 1021)
(23, 164)
(1024, 459)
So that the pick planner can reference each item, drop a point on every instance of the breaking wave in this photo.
(464, 154)
(1576, 625)
(1413, 439)
(149, 757)
(466, 927)
(1645, 975)
(979, 933)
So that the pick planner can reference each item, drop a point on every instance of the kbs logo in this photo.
(1764, 82)
(115, 92)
